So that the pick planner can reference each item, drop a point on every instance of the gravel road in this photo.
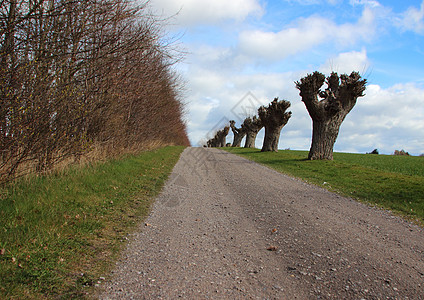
(227, 228)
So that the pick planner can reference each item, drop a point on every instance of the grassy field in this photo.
(392, 182)
(60, 233)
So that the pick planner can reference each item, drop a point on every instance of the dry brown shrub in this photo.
(83, 80)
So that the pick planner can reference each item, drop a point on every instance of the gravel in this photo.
(228, 228)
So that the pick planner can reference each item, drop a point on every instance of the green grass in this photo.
(60, 233)
(391, 182)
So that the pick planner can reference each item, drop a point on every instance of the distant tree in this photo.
(328, 113)
(401, 152)
(252, 126)
(239, 134)
(219, 140)
(213, 142)
(375, 151)
(274, 118)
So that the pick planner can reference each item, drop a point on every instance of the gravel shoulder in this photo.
(228, 228)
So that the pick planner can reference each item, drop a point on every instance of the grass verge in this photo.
(59, 234)
(391, 182)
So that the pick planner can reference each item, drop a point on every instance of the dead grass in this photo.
(98, 152)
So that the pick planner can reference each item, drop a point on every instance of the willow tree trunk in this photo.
(272, 137)
(324, 135)
(237, 140)
(239, 134)
(222, 142)
(221, 136)
(252, 126)
(250, 139)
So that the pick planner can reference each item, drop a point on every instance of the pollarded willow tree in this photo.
(219, 140)
(252, 126)
(328, 113)
(239, 134)
(213, 142)
(222, 135)
(274, 118)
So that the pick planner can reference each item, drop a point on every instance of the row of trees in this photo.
(328, 108)
(273, 117)
(78, 73)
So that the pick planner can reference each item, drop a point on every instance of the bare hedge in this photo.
(75, 73)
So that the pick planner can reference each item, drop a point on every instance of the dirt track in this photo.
(228, 228)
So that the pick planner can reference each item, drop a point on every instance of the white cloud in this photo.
(347, 62)
(387, 119)
(370, 3)
(207, 81)
(192, 12)
(413, 19)
(314, 31)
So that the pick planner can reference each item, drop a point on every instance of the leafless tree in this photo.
(327, 114)
(222, 135)
(274, 118)
(239, 134)
(219, 139)
(252, 127)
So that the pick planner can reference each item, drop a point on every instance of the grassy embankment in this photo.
(391, 182)
(59, 234)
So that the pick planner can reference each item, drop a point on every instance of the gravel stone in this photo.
(209, 230)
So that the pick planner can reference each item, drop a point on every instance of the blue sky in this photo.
(244, 53)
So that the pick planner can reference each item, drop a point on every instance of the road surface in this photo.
(228, 228)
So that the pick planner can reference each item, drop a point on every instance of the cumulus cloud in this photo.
(347, 62)
(314, 31)
(386, 119)
(193, 12)
(413, 19)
